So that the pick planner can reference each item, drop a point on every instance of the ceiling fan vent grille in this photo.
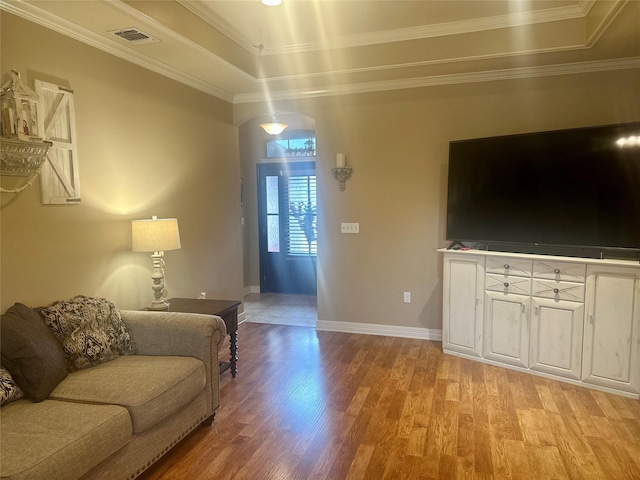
(134, 35)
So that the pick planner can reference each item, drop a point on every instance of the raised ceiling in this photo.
(243, 51)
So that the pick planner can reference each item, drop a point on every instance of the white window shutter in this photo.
(60, 179)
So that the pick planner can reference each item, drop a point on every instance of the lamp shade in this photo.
(273, 127)
(155, 235)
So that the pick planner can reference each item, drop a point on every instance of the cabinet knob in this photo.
(556, 291)
(506, 266)
(556, 271)
(506, 284)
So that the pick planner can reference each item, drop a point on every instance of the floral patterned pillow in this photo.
(90, 330)
(9, 389)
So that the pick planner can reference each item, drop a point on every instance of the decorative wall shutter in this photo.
(60, 179)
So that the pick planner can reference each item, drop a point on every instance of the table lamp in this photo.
(156, 235)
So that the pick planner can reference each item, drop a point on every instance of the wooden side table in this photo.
(225, 309)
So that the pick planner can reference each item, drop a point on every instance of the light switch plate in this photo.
(349, 228)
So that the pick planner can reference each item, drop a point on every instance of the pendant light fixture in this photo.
(273, 127)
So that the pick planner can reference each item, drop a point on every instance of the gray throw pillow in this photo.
(30, 352)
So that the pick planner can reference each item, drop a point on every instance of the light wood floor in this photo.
(325, 405)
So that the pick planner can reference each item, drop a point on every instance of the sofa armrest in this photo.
(181, 334)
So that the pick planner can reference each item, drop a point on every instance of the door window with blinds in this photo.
(301, 226)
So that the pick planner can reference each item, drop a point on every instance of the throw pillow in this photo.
(9, 389)
(90, 330)
(30, 352)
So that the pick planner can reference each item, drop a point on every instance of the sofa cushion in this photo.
(149, 387)
(90, 330)
(59, 440)
(9, 389)
(30, 352)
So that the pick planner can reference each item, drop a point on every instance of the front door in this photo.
(287, 227)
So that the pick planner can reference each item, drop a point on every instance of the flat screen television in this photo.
(574, 192)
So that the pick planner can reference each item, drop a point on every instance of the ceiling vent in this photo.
(134, 35)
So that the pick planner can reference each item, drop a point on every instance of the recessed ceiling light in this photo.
(271, 3)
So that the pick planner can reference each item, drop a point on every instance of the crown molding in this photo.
(437, 30)
(53, 22)
(516, 19)
(612, 13)
(114, 47)
(425, 63)
(453, 79)
(218, 62)
(218, 23)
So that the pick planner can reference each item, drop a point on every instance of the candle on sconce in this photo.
(341, 160)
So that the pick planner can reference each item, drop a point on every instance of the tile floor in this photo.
(281, 309)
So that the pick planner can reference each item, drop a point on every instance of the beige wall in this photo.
(397, 144)
(146, 145)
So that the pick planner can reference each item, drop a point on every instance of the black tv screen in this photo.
(569, 188)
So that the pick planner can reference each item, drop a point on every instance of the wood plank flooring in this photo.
(326, 405)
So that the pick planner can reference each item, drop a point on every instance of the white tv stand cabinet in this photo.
(571, 319)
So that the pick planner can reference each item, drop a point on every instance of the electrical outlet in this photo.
(349, 228)
(407, 297)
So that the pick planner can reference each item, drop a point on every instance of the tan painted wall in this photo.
(397, 144)
(146, 145)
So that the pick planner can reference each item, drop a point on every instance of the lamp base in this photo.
(158, 305)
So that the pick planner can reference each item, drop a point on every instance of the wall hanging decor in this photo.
(60, 179)
(22, 151)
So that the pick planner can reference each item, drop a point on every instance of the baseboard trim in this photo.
(242, 317)
(251, 289)
(385, 330)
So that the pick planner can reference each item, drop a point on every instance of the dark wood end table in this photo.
(225, 309)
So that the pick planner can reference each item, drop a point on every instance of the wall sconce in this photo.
(156, 236)
(273, 127)
(341, 172)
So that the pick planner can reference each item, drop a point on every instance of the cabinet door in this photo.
(462, 304)
(556, 337)
(611, 355)
(506, 328)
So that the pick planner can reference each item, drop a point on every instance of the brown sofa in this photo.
(115, 419)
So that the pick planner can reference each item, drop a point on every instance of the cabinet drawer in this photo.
(570, 291)
(509, 266)
(508, 284)
(559, 271)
